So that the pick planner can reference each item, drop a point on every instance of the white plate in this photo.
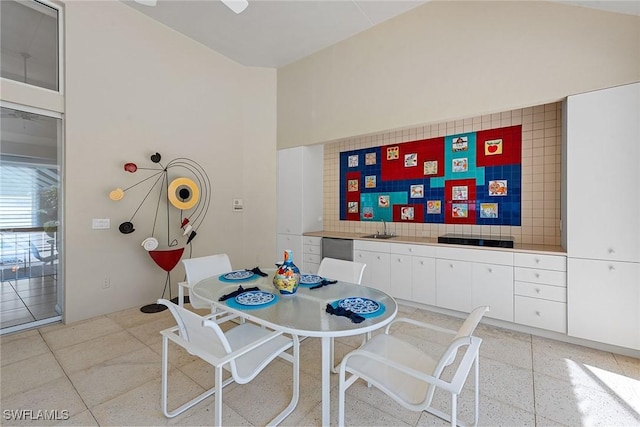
(359, 305)
(310, 279)
(238, 275)
(255, 298)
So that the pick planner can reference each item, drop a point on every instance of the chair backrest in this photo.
(338, 269)
(464, 333)
(470, 324)
(199, 340)
(200, 268)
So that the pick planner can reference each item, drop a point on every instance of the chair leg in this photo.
(341, 397)
(476, 391)
(165, 386)
(454, 408)
(296, 384)
(180, 296)
(218, 404)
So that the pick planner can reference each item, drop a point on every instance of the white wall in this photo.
(134, 87)
(449, 60)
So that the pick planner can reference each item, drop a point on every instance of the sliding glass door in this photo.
(30, 220)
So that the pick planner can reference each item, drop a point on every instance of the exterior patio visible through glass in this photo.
(29, 219)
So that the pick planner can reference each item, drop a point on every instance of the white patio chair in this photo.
(200, 268)
(337, 269)
(346, 271)
(408, 375)
(244, 351)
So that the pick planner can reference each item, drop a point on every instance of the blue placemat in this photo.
(376, 313)
(310, 276)
(231, 302)
(248, 279)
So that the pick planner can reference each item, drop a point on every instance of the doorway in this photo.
(30, 217)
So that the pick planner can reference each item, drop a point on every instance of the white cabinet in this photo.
(603, 174)
(312, 248)
(413, 273)
(453, 285)
(423, 280)
(541, 291)
(293, 242)
(604, 301)
(299, 198)
(467, 278)
(492, 285)
(401, 276)
(376, 256)
(603, 215)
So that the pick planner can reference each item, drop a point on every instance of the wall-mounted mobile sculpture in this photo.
(188, 191)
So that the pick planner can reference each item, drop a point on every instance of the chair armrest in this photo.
(420, 324)
(394, 365)
(184, 285)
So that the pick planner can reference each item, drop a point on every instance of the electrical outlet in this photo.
(106, 283)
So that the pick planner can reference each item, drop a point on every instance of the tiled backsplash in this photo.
(541, 176)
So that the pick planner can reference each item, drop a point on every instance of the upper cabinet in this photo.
(603, 175)
(300, 189)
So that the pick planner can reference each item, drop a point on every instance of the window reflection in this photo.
(29, 43)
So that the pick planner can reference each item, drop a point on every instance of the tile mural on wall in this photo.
(469, 178)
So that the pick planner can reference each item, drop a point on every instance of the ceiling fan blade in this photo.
(236, 5)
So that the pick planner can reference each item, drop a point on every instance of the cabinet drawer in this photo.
(309, 249)
(536, 290)
(475, 255)
(311, 240)
(415, 250)
(313, 258)
(546, 277)
(366, 245)
(539, 313)
(310, 268)
(545, 262)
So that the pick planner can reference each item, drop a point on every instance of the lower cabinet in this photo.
(423, 280)
(541, 313)
(312, 248)
(376, 256)
(468, 278)
(492, 285)
(541, 291)
(293, 242)
(453, 285)
(604, 301)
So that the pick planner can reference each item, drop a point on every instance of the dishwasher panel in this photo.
(337, 248)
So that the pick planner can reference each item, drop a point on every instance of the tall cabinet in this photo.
(299, 198)
(602, 224)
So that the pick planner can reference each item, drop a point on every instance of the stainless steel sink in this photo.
(378, 236)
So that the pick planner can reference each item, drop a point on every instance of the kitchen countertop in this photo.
(519, 247)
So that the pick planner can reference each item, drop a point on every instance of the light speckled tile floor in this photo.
(106, 371)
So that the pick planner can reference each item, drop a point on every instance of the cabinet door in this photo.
(453, 285)
(293, 242)
(603, 155)
(378, 266)
(401, 274)
(604, 301)
(423, 280)
(364, 257)
(493, 286)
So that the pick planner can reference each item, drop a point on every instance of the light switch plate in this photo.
(100, 223)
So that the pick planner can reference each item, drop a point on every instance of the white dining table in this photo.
(304, 314)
